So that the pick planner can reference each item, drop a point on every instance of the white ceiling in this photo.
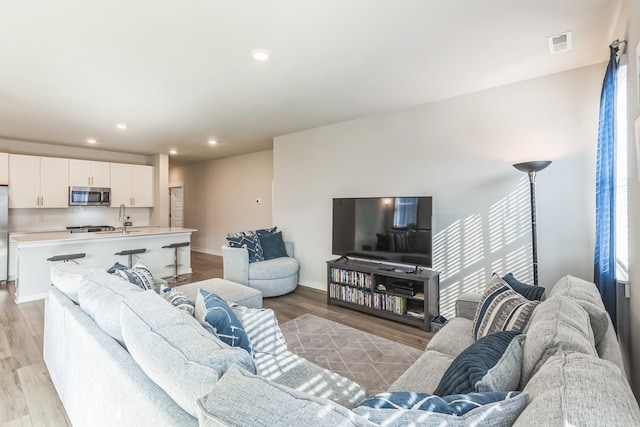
(180, 72)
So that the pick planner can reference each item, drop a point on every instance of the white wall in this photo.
(220, 197)
(459, 151)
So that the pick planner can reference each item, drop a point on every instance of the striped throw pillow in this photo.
(501, 309)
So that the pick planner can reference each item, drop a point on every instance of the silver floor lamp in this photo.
(531, 168)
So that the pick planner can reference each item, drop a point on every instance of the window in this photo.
(405, 212)
(621, 221)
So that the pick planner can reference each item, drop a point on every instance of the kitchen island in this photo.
(33, 250)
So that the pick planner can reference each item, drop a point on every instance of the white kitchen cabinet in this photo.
(131, 185)
(86, 173)
(38, 182)
(4, 168)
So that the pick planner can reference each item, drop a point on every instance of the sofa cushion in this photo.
(100, 295)
(272, 245)
(266, 404)
(218, 318)
(557, 324)
(588, 297)
(226, 289)
(453, 338)
(273, 269)
(532, 293)
(425, 374)
(68, 277)
(261, 327)
(575, 389)
(488, 411)
(290, 370)
(251, 243)
(174, 350)
(501, 309)
(490, 364)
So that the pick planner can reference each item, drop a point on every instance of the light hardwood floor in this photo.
(28, 398)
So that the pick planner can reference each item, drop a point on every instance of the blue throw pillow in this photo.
(249, 242)
(455, 404)
(532, 293)
(250, 232)
(493, 363)
(115, 267)
(475, 409)
(272, 245)
(218, 318)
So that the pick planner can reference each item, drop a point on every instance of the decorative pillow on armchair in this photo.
(501, 309)
(272, 245)
(251, 243)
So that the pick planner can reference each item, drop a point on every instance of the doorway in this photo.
(176, 206)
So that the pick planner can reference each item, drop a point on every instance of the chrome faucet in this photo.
(122, 217)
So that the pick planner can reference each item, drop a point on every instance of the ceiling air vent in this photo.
(559, 43)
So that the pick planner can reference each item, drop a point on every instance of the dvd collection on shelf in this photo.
(356, 288)
(353, 278)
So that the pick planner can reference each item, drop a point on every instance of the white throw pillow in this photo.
(261, 327)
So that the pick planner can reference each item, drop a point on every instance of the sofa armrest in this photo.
(467, 304)
(235, 264)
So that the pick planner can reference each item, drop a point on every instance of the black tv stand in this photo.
(369, 287)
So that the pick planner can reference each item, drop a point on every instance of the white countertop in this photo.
(59, 236)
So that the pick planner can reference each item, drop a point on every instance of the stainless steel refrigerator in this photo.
(4, 231)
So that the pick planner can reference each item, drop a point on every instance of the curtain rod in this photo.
(617, 42)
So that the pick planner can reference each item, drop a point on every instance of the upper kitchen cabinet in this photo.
(86, 173)
(38, 182)
(4, 168)
(131, 185)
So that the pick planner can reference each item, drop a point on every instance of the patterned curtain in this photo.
(605, 254)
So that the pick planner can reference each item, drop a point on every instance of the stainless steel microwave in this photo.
(89, 196)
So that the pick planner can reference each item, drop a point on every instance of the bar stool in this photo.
(131, 253)
(175, 247)
(67, 257)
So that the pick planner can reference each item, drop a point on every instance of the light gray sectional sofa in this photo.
(571, 367)
(105, 339)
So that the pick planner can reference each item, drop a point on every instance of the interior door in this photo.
(176, 206)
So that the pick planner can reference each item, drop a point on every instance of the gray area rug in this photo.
(372, 361)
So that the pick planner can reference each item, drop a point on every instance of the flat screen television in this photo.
(386, 229)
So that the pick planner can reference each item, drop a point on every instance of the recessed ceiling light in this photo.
(92, 140)
(213, 142)
(173, 152)
(260, 54)
(121, 126)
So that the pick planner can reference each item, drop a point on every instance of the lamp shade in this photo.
(534, 166)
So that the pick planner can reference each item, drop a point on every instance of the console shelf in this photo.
(399, 294)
